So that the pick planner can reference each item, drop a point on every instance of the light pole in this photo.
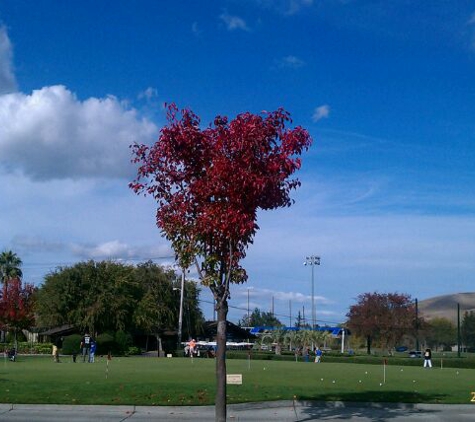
(248, 316)
(312, 261)
(180, 315)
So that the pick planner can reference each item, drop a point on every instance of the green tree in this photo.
(107, 296)
(468, 329)
(10, 266)
(440, 332)
(259, 319)
(93, 296)
(158, 309)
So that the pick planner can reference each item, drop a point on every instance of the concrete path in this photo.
(283, 411)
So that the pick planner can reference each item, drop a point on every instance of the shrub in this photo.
(123, 341)
(20, 337)
(72, 344)
(106, 344)
(133, 350)
(29, 348)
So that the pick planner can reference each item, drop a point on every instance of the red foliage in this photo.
(210, 183)
(16, 305)
(383, 316)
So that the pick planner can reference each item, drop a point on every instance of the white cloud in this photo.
(148, 94)
(233, 22)
(195, 28)
(260, 293)
(108, 250)
(291, 62)
(286, 7)
(7, 78)
(113, 249)
(295, 6)
(50, 134)
(321, 112)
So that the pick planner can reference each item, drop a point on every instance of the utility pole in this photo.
(180, 314)
(459, 342)
(290, 313)
(417, 325)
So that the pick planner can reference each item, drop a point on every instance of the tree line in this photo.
(143, 299)
(387, 320)
(100, 297)
(108, 296)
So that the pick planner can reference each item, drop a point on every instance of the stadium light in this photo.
(312, 261)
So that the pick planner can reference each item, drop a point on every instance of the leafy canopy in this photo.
(210, 183)
(16, 305)
(10, 266)
(383, 316)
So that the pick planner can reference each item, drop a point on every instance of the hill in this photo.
(446, 306)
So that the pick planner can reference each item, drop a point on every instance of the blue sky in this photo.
(386, 89)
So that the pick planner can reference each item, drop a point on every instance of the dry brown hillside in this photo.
(446, 306)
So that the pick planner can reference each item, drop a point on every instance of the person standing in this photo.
(92, 352)
(306, 354)
(58, 345)
(54, 352)
(86, 346)
(318, 355)
(192, 346)
(428, 359)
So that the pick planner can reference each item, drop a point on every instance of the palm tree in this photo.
(10, 264)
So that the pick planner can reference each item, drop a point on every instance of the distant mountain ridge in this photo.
(446, 306)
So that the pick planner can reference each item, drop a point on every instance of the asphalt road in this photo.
(283, 411)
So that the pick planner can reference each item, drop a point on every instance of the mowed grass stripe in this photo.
(180, 381)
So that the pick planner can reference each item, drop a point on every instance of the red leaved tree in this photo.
(16, 306)
(386, 317)
(209, 184)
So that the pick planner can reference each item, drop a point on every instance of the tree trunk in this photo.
(220, 405)
(368, 344)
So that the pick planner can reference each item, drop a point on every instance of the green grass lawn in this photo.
(180, 381)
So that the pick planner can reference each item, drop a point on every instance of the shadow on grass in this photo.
(373, 405)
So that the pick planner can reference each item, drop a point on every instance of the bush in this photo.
(133, 350)
(20, 337)
(24, 347)
(123, 341)
(106, 344)
(72, 345)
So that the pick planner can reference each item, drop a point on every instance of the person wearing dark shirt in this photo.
(427, 359)
(86, 346)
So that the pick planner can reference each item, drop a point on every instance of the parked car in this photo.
(415, 354)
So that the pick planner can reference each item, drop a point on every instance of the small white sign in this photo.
(169, 355)
(235, 379)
